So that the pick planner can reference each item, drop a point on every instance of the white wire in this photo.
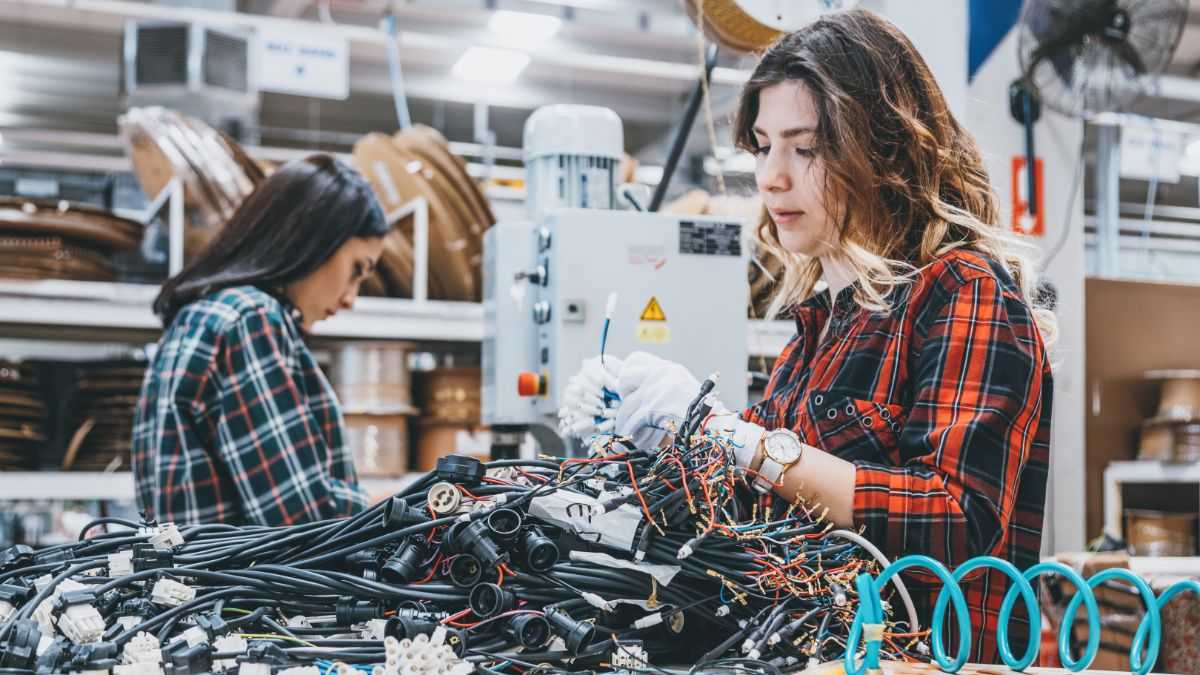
(896, 580)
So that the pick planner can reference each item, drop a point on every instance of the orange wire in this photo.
(638, 492)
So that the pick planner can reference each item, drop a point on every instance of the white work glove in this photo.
(589, 401)
(655, 395)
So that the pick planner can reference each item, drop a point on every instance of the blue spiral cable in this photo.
(868, 626)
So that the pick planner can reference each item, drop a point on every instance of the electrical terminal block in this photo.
(228, 644)
(142, 648)
(171, 593)
(140, 668)
(81, 623)
(120, 564)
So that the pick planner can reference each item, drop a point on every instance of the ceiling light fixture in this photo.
(490, 65)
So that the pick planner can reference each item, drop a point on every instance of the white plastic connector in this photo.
(840, 599)
(648, 621)
(252, 669)
(44, 643)
(372, 630)
(462, 668)
(298, 621)
(143, 668)
(631, 657)
(128, 622)
(45, 610)
(773, 639)
(228, 644)
(753, 654)
(89, 672)
(6, 610)
(684, 552)
(171, 593)
(195, 636)
(444, 498)
(142, 648)
(120, 564)
(723, 610)
(923, 648)
(747, 645)
(598, 602)
(164, 537)
(167, 538)
(439, 636)
(81, 623)
(301, 670)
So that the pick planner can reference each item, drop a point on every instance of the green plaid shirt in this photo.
(236, 423)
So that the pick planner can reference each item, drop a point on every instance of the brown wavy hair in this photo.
(905, 183)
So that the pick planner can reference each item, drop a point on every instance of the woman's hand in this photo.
(588, 404)
(655, 394)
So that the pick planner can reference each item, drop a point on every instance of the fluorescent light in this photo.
(522, 28)
(494, 66)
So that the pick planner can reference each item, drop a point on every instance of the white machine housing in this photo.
(551, 319)
(571, 157)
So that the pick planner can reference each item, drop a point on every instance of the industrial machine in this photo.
(679, 281)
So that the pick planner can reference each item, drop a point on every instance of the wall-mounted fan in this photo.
(1081, 57)
(1089, 56)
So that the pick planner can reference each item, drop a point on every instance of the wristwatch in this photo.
(781, 449)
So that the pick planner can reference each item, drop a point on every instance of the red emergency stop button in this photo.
(530, 384)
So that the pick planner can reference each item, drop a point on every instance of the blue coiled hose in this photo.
(869, 620)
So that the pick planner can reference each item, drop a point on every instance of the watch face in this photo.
(783, 448)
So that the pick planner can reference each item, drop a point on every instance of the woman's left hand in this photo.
(655, 395)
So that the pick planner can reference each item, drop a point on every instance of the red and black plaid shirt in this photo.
(943, 404)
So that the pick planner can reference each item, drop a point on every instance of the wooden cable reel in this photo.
(416, 163)
(217, 174)
(749, 26)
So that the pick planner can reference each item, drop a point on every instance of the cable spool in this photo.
(749, 26)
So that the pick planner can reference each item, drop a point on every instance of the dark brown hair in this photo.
(291, 224)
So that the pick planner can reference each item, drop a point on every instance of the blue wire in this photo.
(1142, 654)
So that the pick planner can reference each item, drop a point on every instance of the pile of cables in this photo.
(627, 560)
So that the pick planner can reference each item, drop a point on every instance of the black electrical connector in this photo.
(488, 600)
(577, 634)
(539, 553)
(15, 556)
(53, 556)
(195, 660)
(465, 570)
(505, 524)
(404, 565)
(349, 611)
(14, 594)
(529, 630)
(92, 656)
(263, 651)
(459, 469)
(398, 514)
(146, 557)
(20, 652)
(475, 538)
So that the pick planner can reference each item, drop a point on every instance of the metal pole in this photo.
(1108, 199)
(684, 130)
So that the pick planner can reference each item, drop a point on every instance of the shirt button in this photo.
(895, 427)
(850, 409)
(832, 414)
(868, 422)
(818, 399)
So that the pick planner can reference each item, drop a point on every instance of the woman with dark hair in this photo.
(236, 423)
(914, 400)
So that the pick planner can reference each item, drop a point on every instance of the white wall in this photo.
(1057, 142)
(939, 30)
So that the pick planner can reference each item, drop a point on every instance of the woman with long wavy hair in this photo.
(914, 400)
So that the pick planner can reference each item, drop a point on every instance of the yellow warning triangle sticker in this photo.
(653, 311)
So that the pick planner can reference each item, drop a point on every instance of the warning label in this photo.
(653, 311)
